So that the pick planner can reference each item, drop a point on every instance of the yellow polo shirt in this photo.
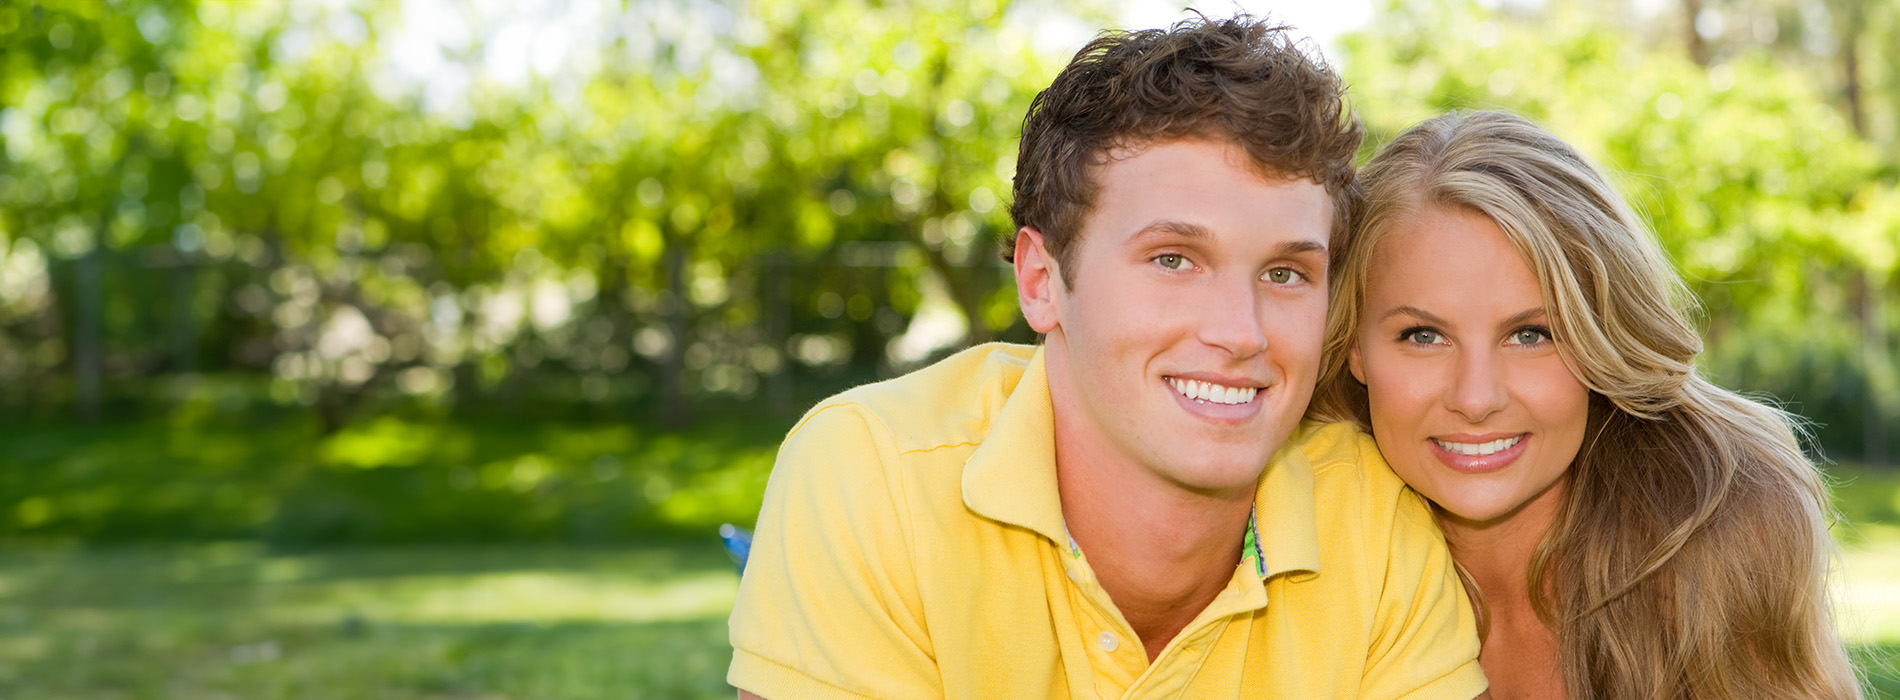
(911, 545)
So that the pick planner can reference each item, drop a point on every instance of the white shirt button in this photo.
(1108, 642)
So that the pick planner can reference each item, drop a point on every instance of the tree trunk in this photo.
(1698, 48)
(88, 326)
(673, 409)
(968, 287)
(1850, 67)
(777, 309)
(184, 321)
(972, 283)
(1873, 345)
(610, 303)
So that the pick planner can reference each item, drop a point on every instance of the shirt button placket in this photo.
(1108, 642)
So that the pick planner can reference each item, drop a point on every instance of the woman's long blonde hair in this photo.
(1691, 555)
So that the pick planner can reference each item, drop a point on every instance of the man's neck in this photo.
(1160, 551)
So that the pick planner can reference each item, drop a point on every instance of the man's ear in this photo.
(1036, 280)
(1356, 364)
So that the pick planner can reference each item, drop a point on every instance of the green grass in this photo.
(329, 604)
(381, 481)
(465, 623)
(1867, 597)
(1867, 605)
(229, 621)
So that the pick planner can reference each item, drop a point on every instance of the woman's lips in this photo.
(1479, 454)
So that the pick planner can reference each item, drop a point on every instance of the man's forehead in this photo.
(1124, 148)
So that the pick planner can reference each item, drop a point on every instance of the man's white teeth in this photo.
(1213, 393)
(1479, 449)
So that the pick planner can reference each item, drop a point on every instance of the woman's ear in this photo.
(1356, 364)
(1036, 277)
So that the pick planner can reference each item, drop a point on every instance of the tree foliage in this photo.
(662, 204)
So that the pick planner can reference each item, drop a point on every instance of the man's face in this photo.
(1188, 348)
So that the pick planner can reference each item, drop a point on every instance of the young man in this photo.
(1098, 516)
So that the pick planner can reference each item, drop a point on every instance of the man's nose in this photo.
(1234, 319)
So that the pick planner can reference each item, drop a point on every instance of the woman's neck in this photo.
(1497, 552)
(1520, 653)
(1497, 555)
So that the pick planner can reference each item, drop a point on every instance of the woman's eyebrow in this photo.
(1524, 315)
(1431, 318)
(1427, 316)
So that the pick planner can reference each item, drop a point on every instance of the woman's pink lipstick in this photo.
(1479, 464)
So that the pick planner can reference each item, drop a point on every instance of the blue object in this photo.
(738, 544)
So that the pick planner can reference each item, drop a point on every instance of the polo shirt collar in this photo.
(1284, 510)
(1011, 478)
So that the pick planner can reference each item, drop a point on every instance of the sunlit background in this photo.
(418, 348)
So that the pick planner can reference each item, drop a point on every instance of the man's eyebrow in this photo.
(1292, 248)
(1170, 227)
(1184, 229)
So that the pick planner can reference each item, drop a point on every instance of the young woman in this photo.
(1515, 340)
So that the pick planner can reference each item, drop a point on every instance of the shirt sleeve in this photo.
(1426, 644)
(828, 606)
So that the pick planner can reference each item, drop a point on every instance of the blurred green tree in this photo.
(704, 204)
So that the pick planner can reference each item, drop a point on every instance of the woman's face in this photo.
(1471, 399)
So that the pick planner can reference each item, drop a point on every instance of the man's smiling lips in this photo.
(1221, 399)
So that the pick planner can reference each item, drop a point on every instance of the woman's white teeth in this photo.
(1213, 393)
(1479, 449)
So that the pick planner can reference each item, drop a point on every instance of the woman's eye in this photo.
(1171, 261)
(1281, 275)
(1529, 336)
(1422, 336)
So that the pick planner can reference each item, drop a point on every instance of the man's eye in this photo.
(1171, 261)
(1281, 275)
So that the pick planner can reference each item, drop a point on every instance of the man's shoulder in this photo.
(952, 401)
(1383, 582)
(1343, 450)
(1350, 475)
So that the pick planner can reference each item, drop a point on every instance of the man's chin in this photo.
(1221, 476)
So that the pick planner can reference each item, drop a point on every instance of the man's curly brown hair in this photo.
(1241, 80)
